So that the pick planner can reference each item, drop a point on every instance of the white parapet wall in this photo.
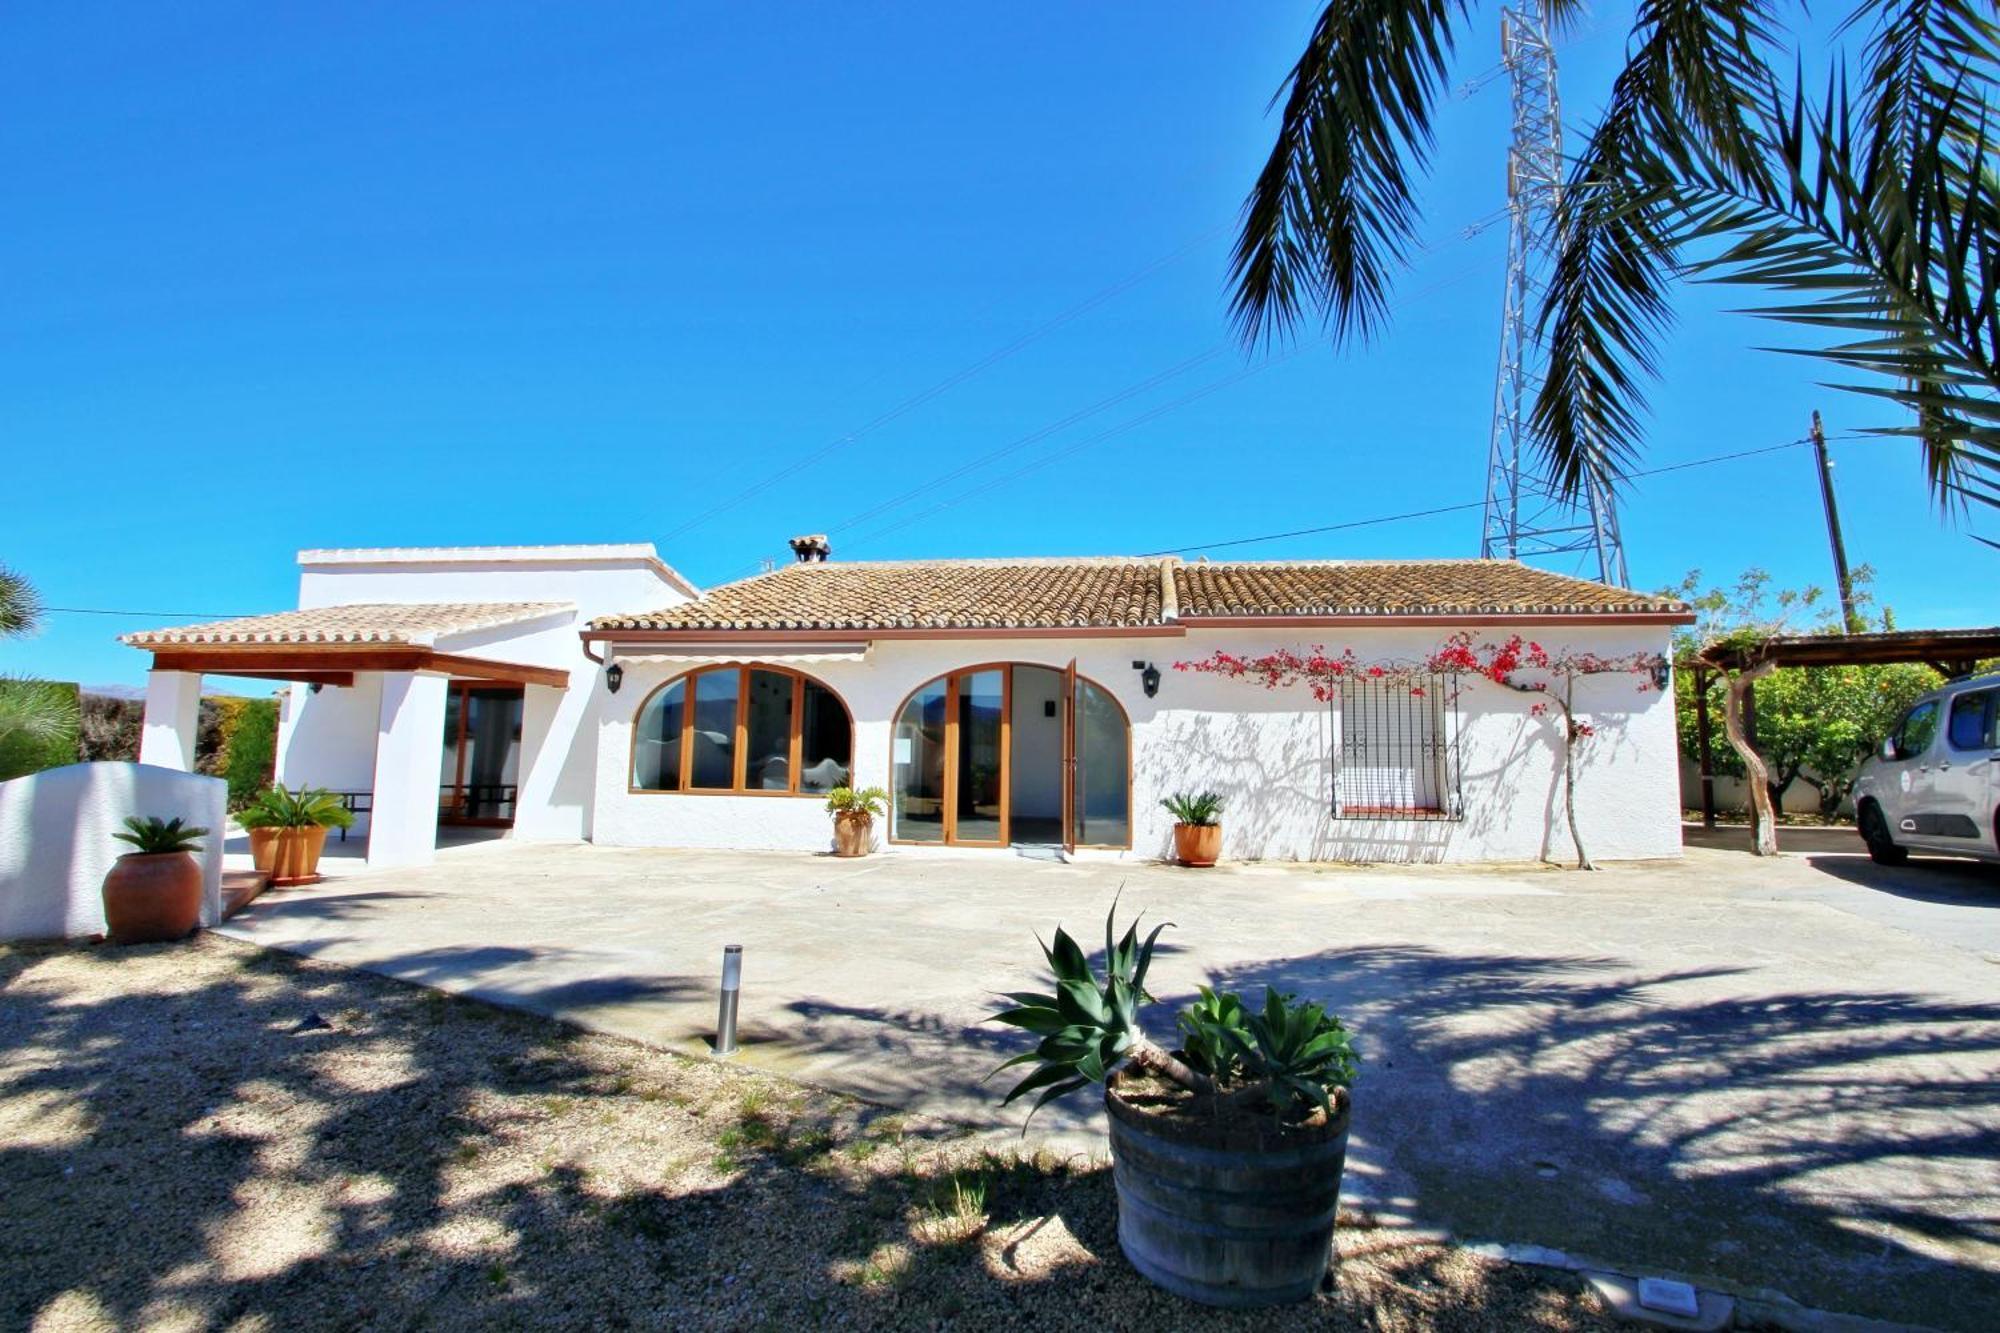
(56, 842)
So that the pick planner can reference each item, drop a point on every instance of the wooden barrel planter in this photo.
(1226, 1214)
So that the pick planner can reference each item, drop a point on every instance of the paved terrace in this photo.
(1763, 1073)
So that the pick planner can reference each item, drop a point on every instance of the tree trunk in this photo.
(1763, 826)
(1583, 861)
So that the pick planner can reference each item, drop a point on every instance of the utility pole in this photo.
(1850, 620)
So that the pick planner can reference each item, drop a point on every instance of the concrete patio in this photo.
(1764, 1073)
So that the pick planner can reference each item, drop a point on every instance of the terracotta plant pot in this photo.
(263, 847)
(294, 855)
(853, 833)
(1197, 844)
(151, 897)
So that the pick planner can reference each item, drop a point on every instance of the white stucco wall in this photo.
(1269, 753)
(56, 841)
(329, 739)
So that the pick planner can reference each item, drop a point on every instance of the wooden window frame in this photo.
(948, 836)
(740, 750)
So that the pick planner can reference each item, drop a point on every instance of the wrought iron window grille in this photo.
(1397, 756)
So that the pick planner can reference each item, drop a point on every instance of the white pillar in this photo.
(409, 760)
(173, 718)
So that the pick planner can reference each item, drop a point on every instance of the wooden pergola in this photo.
(1949, 652)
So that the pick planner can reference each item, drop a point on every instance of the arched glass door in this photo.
(1011, 753)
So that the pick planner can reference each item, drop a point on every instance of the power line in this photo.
(1143, 418)
(948, 383)
(1459, 508)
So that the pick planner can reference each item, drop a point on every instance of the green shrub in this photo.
(252, 751)
(108, 729)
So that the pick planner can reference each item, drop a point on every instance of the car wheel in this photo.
(1882, 848)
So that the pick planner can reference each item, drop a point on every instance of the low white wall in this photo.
(1270, 753)
(56, 844)
(1732, 796)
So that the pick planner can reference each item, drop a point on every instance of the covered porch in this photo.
(400, 710)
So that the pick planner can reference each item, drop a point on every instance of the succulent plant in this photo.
(153, 836)
(1291, 1056)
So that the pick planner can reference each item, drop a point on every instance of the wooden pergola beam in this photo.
(337, 663)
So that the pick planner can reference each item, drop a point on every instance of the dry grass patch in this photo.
(210, 1135)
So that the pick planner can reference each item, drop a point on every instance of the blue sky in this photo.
(281, 276)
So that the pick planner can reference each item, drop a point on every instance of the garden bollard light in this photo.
(725, 1018)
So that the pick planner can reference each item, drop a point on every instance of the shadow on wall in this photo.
(1277, 784)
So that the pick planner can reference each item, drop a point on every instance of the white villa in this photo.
(591, 692)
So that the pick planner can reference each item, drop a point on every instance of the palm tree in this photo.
(1868, 209)
(36, 717)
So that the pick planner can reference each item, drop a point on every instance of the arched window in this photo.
(1011, 752)
(744, 730)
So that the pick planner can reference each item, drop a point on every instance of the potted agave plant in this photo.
(854, 814)
(153, 892)
(1197, 826)
(288, 831)
(1227, 1152)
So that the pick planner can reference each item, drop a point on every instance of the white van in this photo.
(1934, 785)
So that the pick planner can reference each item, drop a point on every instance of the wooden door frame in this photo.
(463, 689)
(952, 678)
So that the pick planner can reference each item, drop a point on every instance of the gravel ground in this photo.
(209, 1135)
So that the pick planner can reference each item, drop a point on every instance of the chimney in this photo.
(812, 547)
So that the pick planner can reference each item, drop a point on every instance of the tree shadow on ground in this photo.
(1843, 1147)
(216, 1135)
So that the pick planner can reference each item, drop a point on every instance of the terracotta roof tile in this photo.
(1123, 592)
(1396, 587)
(937, 594)
(419, 623)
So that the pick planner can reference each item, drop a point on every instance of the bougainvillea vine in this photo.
(1515, 663)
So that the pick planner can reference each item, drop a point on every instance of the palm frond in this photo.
(20, 605)
(1874, 215)
(1689, 92)
(1333, 212)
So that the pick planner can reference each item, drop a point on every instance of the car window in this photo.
(1918, 729)
(1971, 725)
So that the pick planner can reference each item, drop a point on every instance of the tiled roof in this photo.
(416, 623)
(932, 594)
(1124, 592)
(1396, 587)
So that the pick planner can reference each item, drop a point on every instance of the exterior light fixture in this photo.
(1663, 674)
(614, 676)
(1149, 677)
(317, 686)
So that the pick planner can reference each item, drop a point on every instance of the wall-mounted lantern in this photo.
(1663, 674)
(1149, 677)
(614, 676)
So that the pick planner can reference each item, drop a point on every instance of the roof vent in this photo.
(812, 547)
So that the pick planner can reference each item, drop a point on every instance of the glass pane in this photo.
(1968, 729)
(1918, 730)
(769, 766)
(826, 751)
(981, 695)
(492, 753)
(656, 740)
(713, 764)
(919, 766)
(1102, 812)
